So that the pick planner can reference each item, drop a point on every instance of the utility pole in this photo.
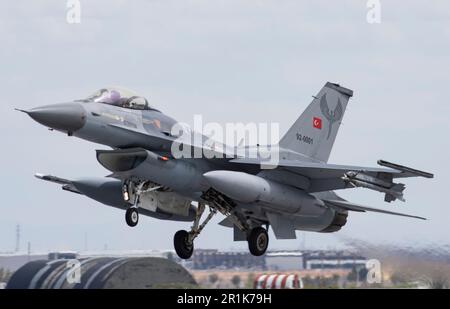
(17, 237)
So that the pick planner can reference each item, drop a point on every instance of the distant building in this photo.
(212, 259)
(332, 260)
(207, 259)
(275, 261)
(62, 255)
(13, 261)
(285, 260)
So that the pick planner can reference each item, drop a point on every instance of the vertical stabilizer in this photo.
(314, 132)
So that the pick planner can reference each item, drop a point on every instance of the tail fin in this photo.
(314, 132)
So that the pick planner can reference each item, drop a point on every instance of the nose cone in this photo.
(67, 117)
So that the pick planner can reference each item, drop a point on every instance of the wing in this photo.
(315, 170)
(66, 184)
(111, 196)
(321, 177)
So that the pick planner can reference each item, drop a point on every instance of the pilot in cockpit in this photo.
(119, 97)
(108, 96)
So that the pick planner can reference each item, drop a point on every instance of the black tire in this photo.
(258, 241)
(132, 216)
(182, 246)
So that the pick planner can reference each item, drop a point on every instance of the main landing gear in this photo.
(258, 240)
(184, 244)
(183, 241)
(257, 236)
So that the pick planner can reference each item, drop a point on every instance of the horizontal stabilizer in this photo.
(359, 208)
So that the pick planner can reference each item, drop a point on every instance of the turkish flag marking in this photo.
(317, 123)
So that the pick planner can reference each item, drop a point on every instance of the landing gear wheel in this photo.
(258, 240)
(182, 245)
(132, 216)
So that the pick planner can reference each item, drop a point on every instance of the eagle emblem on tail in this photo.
(332, 116)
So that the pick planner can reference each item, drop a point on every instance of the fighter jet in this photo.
(149, 178)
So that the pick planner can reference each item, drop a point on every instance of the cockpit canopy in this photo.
(118, 96)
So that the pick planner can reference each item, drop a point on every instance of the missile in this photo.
(392, 190)
(247, 188)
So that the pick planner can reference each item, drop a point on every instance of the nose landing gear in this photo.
(132, 192)
(132, 216)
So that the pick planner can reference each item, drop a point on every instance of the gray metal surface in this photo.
(297, 194)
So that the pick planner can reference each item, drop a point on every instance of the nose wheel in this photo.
(132, 216)
(258, 240)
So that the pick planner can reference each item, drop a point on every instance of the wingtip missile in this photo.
(22, 110)
(405, 169)
(39, 175)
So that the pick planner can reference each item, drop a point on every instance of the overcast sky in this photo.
(231, 61)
